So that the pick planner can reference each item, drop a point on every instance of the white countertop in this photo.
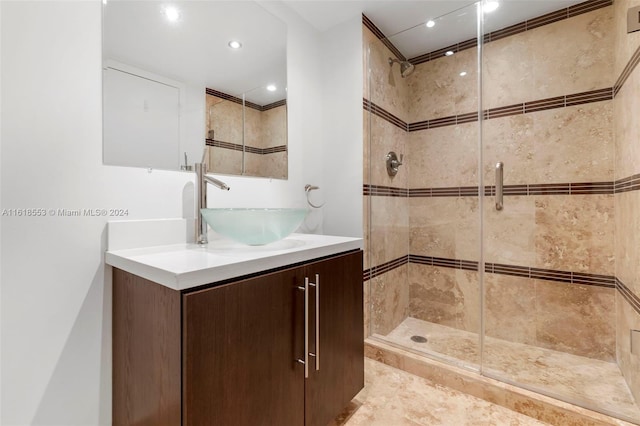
(183, 266)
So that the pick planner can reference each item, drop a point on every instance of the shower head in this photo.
(406, 67)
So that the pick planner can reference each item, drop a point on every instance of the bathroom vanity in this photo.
(233, 336)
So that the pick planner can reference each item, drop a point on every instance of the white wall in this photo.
(56, 295)
(342, 148)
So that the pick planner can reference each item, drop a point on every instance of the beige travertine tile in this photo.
(389, 237)
(625, 44)
(366, 211)
(508, 71)
(574, 144)
(627, 319)
(273, 165)
(445, 296)
(444, 156)
(510, 234)
(389, 295)
(387, 88)
(274, 127)
(366, 142)
(574, 318)
(511, 141)
(394, 397)
(366, 291)
(627, 127)
(253, 128)
(224, 161)
(225, 118)
(627, 206)
(580, 65)
(437, 90)
(510, 306)
(445, 227)
(386, 137)
(575, 233)
(596, 384)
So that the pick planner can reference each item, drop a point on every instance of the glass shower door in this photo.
(549, 284)
(421, 103)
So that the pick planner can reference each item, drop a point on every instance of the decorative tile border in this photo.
(628, 295)
(518, 28)
(626, 72)
(384, 114)
(384, 191)
(468, 265)
(370, 273)
(246, 148)
(552, 275)
(631, 183)
(513, 270)
(580, 188)
(239, 101)
(568, 277)
(376, 31)
(581, 98)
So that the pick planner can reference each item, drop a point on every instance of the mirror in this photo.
(171, 80)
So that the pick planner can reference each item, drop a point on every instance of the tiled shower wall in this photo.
(550, 253)
(627, 197)
(265, 136)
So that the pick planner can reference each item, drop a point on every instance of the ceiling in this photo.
(194, 49)
(403, 21)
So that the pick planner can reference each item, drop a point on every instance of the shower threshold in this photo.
(594, 384)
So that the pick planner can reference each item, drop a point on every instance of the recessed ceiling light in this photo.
(430, 24)
(448, 53)
(490, 6)
(171, 13)
(271, 87)
(463, 73)
(234, 44)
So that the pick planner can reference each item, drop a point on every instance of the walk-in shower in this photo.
(541, 290)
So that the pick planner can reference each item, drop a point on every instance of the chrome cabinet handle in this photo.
(317, 353)
(499, 177)
(305, 361)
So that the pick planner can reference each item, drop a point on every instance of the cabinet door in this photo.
(341, 345)
(240, 344)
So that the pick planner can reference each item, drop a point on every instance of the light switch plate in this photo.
(635, 342)
(633, 19)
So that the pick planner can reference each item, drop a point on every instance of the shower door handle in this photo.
(499, 189)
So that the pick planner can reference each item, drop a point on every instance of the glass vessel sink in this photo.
(254, 227)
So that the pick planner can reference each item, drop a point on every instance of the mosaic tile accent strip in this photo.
(551, 275)
(384, 114)
(521, 27)
(468, 265)
(631, 183)
(384, 191)
(516, 109)
(376, 31)
(626, 72)
(251, 149)
(370, 273)
(628, 295)
(627, 184)
(513, 270)
(239, 101)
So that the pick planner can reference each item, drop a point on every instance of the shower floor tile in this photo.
(393, 397)
(591, 383)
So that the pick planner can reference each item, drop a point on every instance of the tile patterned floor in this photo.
(392, 397)
(584, 381)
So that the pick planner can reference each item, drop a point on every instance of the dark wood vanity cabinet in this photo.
(231, 354)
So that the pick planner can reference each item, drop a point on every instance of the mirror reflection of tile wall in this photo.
(261, 136)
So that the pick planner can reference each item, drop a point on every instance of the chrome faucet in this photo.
(201, 199)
